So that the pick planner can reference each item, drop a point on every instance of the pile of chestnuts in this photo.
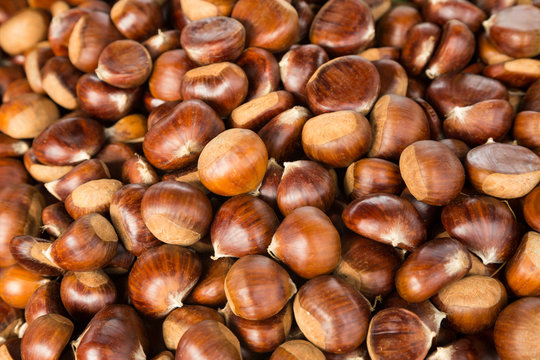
(269, 179)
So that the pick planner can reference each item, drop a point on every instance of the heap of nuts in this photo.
(270, 179)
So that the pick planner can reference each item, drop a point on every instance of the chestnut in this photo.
(169, 68)
(176, 213)
(189, 175)
(514, 339)
(16, 88)
(88, 244)
(343, 27)
(124, 64)
(368, 265)
(307, 242)
(440, 12)
(521, 23)
(27, 116)
(24, 30)
(137, 19)
(180, 320)
(531, 209)
(298, 65)
(463, 348)
(12, 171)
(46, 337)
(270, 24)
(161, 42)
(18, 284)
(268, 189)
(489, 54)
(332, 314)
(431, 267)
(116, 330)
(213, 40)
(370, 176)
(210, 290)
(59, 79)
(197, 9)
(419, 46)
(137, 170)
(69, 141)
(208, 340)
(85, 293)
(261, 336)
(130, 129)
(257, 287)
(341, 84)
(282, 135)
(525, 128)
(223, 86)
(503, 170)
(262, 71)
(473, 303)
(103, 101)
(10, 147)
(90, 35)
(43, 173)
(233, 163)
(93, 196)
(393, 76)
(243, 225)
(161, 278)
(61, 28)
(256, 113)
(397, 333)
(29, 252)
(45, 300)
(380, 53)
(297, 350)
(393, 28)
(522, 269)
(432, 172)
(531, 100)
(336, 139)
(485, 225)
(386, 218)
(390, 137)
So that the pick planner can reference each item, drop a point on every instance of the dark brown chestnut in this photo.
(45, 300)
(137, 170)
(208, 340)
(262, 71)
(30, 252)
(419, 46)
(525, 128)
(393, 28)
(440, 12)
(137, 19)
(370, 176)
(61, 28)
(161, 42)
(46, 337)
(210, 290)
(523, 269)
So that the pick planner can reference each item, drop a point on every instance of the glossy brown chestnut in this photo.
(85, 293)
(473, 303)
(124, 64)
(116, 330)
(213, 40)
(256, 113)
(531, 100)
(27, 116)
(455, 49)
(523, 269)
(419, 46)
(163, 41)
(393, 28)
(268, 189)
(176, 213)
(17, 285)
(262, 71)
(24, 30)
(210, 290)
(390, 137)
(432, 172)
(332, 314)
(298, 65)
(137, 170)
(386, 218)
(30, 251)
(88, 244)
(343, 27)
(137, 19)
(61, 28)
(282, 135)
(305, 183)
(169, 68)
(129, 129)
(515, 73)
(69, 141)
(90, 35)
(270, 24)
(161, 278)
(431, 267)
(393, 76)
(526, 128)
(45, 300)
(483, 224)
(370, 176)
(176, 141)
(341, 84)
(503, 170)
(531, 209)
(515, 330)
(243, 225)
(233, 163)
(43, 173)
(307, 242)
(189, 175)
(12, 171)
(521, 23)
(489, 53)
(46, 337)
(207, 340)
(10, 147)
(261, 336)
(440, 12)
(297, 350)
(59, 80)
(336, 139)
(257, 287)
(223, 86)
(368, 265)
(385, 52)
(398, 333)
(103, 101)
(180, 320)
(16, 88)
(20, 214)
(93, 196)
